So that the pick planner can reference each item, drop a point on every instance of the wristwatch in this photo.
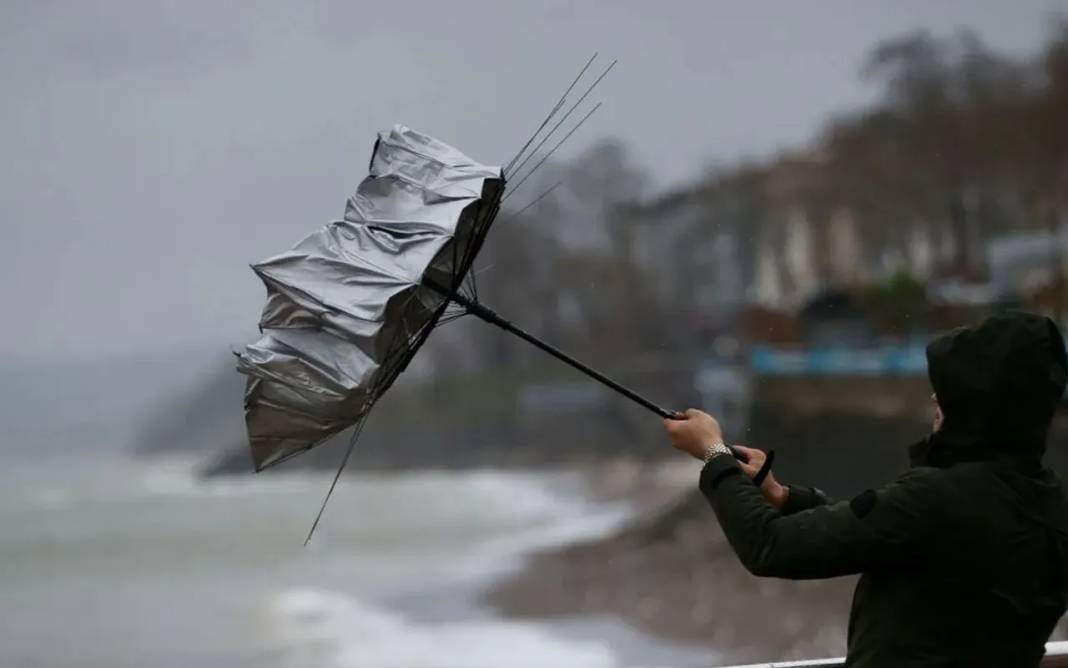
(716, 449)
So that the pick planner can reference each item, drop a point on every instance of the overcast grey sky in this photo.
(150, 150)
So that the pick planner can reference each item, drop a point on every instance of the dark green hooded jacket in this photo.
(962, 558)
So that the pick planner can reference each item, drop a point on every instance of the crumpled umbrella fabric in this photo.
(348, 306)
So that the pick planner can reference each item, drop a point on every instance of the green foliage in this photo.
(898, 304)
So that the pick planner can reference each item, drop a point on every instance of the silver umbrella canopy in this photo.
(348, 307)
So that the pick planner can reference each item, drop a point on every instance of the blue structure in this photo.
(906, 360)
(903, 360)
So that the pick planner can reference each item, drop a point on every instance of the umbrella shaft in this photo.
(491, 316)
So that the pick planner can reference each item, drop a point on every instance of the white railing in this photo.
(1056, 657)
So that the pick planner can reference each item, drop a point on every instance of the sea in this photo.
(121, 562)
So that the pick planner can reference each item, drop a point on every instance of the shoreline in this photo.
(606, 490)
(669, 574)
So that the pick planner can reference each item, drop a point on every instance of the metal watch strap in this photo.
(716, 449)
(721, 448)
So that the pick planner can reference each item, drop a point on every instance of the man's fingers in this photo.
(749, 452)
(674, 429)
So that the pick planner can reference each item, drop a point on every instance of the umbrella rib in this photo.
(552, 113)
(451, 318)
(337, 476)
(547, 155)
(372, 397)
(469, 281)
(395, 355)
(479, 272)
(472, 275)
(535, 201)
(566, 116)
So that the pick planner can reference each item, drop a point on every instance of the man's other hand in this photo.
(773, 492)
(695, 433)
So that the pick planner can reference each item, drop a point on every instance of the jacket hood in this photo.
(998, 384)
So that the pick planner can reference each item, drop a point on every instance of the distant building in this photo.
(689, 256)
(1027, 261)
(776, 237)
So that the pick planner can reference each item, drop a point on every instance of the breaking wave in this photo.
(319, 628)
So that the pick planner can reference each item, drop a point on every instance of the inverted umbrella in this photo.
(349, 306)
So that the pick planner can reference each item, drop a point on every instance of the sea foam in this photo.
(320, 628)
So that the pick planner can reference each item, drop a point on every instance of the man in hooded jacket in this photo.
(962, 558)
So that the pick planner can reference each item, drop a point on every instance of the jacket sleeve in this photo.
(887, 527)
(803, 498)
